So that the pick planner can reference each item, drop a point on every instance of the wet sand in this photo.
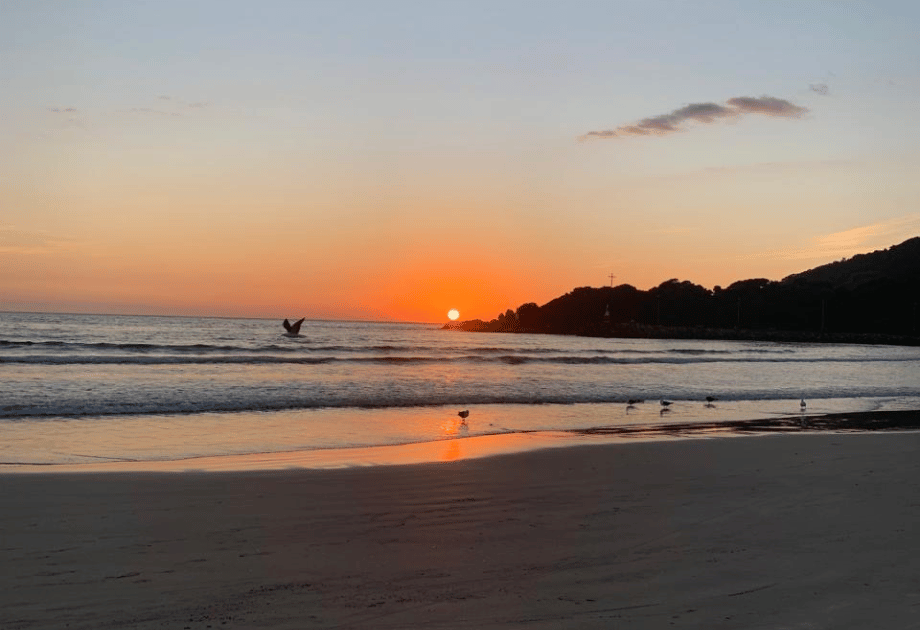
(776, 531)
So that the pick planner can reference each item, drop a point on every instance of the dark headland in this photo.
(869, 298)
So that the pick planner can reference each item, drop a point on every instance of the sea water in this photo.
(88, 388)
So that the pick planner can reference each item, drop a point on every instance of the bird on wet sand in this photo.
(464, 415)
(802, 405)
(710, 400)
(665, 403)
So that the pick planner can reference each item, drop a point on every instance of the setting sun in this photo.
(453, 314)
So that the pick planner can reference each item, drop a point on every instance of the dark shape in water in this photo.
(293, 329)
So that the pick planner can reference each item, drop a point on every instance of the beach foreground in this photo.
(780, 531)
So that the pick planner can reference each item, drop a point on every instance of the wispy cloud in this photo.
(151, 112)
(705, 113)
(175, 106)
(768, 106)
(857, 240)
(19, 241)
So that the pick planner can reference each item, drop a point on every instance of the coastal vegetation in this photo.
(869, 298)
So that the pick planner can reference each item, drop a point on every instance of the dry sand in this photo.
(781, 531)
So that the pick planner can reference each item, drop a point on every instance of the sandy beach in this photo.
(778, 531)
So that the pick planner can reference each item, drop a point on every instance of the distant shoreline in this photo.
(648, 331)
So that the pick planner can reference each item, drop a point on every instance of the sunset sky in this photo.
(394, 160)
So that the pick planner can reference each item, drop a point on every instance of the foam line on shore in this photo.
(493, 445)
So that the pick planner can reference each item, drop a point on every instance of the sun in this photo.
(453, 314)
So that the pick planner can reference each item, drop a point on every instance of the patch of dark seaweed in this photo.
(840, 422)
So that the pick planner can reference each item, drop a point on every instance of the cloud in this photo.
(870, 235)
(819, 88)
(705, 113)
(857, 240)
(767, 105)
(17, 241)
(152, 112)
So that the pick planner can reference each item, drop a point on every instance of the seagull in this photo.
(464, 415)
(709, 401)
(293, 330)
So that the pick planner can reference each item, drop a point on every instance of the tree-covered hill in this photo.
(870, 298)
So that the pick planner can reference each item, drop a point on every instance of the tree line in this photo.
(870, 297)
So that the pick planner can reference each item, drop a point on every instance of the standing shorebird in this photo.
(710, 400)
(665, 403)
(464, 415)
(802, 405)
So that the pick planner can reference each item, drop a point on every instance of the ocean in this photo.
(78, 389)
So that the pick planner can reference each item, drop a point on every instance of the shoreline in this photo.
(786, 530)
(701, 333)
(491, 445)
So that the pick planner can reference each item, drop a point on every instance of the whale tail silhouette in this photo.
(293, 329)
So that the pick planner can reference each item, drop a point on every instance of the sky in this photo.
(394, 160)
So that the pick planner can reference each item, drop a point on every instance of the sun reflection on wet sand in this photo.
(452, 452)
(455, 449)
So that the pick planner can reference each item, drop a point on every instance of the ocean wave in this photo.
(508, 359)
(296, 345)
(257, 402)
